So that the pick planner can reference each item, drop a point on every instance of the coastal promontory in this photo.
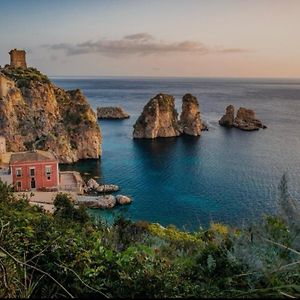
(36, 114)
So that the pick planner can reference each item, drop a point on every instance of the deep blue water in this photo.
(226, 175)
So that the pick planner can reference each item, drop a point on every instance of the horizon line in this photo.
(173, 76)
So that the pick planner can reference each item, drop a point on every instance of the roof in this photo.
(31, 156)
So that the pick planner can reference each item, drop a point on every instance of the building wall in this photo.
(18, 58)
(41, 181)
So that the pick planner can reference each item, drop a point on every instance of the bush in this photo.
(44, 255)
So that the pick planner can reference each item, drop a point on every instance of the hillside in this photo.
(68, 254)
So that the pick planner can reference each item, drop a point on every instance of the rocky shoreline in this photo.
(92, 199)
(104, 201)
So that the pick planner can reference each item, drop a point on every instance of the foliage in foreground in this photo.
(69, 255)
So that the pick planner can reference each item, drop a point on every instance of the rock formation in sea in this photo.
(34, 113)
(93, 186)
(111, 113)
(158, 119)
(104, 201)
(244, 120)
(228, 119)
(123, 200)
(190, 120)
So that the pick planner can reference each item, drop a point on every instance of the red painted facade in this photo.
(31, 175)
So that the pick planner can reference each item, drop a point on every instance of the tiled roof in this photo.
(36, 155)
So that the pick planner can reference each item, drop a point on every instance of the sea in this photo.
(225, 175)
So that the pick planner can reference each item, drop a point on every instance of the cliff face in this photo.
(190, 120)
(158, 119)
(36, 113)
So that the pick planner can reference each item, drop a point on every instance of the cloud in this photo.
(139, 44)
(144, 36)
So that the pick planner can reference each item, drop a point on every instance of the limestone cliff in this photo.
(158, 119)
(190, 120)
(34, 113)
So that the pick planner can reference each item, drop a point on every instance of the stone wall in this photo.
(17, 58)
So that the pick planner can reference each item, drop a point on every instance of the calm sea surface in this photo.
(225, 175)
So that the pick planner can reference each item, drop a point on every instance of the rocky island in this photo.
(190, 120)
(160, 118)
(112, 113)
(245, 119)
(36, 114)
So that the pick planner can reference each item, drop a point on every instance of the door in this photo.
(32, 183)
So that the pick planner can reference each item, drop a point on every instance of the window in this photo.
(32, 171)
(19, 185)
(19, 172)
(48, 172)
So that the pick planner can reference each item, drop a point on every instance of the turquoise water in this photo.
(225, 175)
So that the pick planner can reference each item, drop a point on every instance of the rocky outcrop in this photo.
(107, 188)
(34, 113)
(244, 120)
(228, 119)
(103, 202)
(123, 200)
(111, 113)
(190, 120)
(158, 119)
(93, 185)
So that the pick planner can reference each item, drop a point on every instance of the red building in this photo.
(34, 170)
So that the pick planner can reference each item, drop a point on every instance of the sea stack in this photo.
(158, 119)
(190, 120)
(244, 120)
(112, 113)
(228, 119)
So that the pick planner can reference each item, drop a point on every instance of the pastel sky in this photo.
(213, 38)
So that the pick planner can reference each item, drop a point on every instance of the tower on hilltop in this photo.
(18, 58)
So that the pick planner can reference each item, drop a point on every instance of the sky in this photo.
(194, 38)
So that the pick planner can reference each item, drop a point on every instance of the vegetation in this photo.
(23, 77)
(68, 254)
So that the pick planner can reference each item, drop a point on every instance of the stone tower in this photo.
(18, 58)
